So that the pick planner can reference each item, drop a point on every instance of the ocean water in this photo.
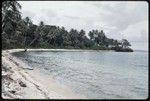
(95, 74)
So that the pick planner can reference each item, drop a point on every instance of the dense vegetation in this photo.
(18, 32)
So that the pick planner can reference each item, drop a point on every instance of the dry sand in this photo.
(19, 81)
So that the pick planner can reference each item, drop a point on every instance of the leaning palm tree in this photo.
(38, 33)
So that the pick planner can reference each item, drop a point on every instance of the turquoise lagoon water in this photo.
(95, 74)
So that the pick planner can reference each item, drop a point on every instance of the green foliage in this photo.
(10, 18)
(22, 33)
(125, 43)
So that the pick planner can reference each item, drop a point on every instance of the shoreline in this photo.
(55, 50)
(19, 81)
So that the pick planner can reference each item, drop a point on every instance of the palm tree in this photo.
(91, 35)
(10, 18)
(125, 43)
(38, 34)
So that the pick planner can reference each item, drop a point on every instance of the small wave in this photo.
(140, 65)
(31, 61)
(139, 88)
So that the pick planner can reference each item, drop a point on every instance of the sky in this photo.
(118, 19)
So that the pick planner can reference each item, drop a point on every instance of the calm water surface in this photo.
(95, 74)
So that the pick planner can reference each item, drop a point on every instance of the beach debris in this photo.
(22, 84)
(25, 50)
(7, 76)
(28, 68)
(5, 67)
(13, 91)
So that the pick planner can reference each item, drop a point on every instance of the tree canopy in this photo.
(18, 32)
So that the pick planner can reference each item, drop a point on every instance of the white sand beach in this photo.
(19, 81)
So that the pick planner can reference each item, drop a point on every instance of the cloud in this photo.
(49, 13)
(29, 13)
(137, 32)
(123, 14)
